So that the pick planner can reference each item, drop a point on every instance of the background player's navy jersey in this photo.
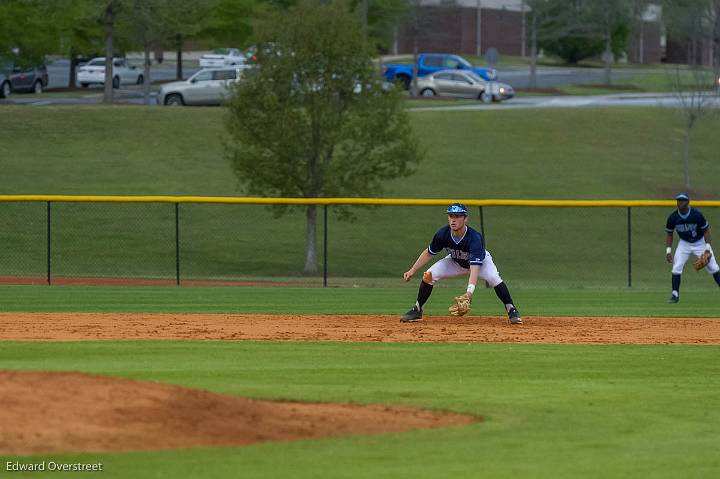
(469, 250)
(690, 227)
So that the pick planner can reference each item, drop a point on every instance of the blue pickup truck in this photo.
(431, 63)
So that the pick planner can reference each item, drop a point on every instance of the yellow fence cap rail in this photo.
(353, 201)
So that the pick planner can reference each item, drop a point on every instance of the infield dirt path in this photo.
(582, 330)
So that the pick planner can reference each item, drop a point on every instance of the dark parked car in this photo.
(33, 80)
(4, 86)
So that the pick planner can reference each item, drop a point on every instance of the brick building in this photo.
(466, 27)
(473, 26)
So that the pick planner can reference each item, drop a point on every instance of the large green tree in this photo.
(379, 18)
(27, 32)
(78, 29)
(313, 119)
(185, 20)
(382, 20)
(145, 26)
(228, 22)
(613, 21)
(580, 29)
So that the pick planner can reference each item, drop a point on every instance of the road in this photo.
(662, 100)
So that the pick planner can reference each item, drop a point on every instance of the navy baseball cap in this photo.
(457, 209)
(682, 196)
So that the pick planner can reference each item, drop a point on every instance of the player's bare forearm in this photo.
(668, 247)
(472, 280)
(707, 236)
(474, 273)
(422, 260)
(668, 239)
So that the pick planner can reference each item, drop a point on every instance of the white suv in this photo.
(210, 86)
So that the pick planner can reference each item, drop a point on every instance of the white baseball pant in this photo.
(447, 268)
(685, 249)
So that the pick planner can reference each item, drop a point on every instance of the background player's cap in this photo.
(457, 209)
(682, 196)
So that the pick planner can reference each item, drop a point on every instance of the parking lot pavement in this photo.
(88, 96)
(59, 72)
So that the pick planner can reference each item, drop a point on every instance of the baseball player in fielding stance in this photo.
(467, 254)
(694, 232)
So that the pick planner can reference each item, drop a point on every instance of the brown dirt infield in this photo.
(581, 330)
(46, 412)
(71, 412)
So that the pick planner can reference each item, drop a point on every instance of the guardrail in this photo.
(326, 203)
(351, 201)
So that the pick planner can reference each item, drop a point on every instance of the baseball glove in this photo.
(461, 305)
(702, 261)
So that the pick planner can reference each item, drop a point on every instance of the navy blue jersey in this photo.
(469, 250)
(690, 227)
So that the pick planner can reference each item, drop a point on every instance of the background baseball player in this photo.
(466, 255)
(694, 232)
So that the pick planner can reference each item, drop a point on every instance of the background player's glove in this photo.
(702, 261)
(461, 305)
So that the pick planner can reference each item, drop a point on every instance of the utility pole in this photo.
(478, 29)
(523, 32)
(364, 7)
(108, 24)
(642, 42)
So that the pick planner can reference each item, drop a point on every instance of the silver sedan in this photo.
(463, 84)
(210, 86)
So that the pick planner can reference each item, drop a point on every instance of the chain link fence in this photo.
(59, 242)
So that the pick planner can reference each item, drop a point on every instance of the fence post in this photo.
(629, 245)
(49, 243)
(177, 244)
(482, 222)
(325, 245)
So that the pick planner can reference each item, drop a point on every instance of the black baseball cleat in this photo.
(673, 299)
(412, 316)
(514, 316)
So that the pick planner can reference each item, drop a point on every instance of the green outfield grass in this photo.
(660, 80)
(601, 153)
(548, 411)
(435, 102)
(391, 300)
(551, 154)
